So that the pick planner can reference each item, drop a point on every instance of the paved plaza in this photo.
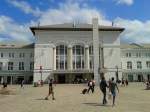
(69, 99)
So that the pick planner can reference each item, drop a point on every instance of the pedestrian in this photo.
(51, 90)
(103, 86)
(22, 84)
(93, 84)
(126, 81)
(113, 87)
(90, 85)
(123, 82)
(4, 84)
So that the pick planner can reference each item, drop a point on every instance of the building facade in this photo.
(135, 62)
(66, 53)
(16, 63)
(70, 52)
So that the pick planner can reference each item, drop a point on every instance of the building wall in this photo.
(109, 39)
(4, 72)
(44, 58)
(143, 58)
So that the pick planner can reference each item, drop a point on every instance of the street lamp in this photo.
(41, 72)
(117, 78)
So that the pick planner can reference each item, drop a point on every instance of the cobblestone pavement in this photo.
(69, 99)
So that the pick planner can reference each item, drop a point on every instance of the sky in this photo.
(16, 16)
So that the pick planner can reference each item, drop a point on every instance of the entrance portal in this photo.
(78, 78)
(20, 79)
(8, 79)
(61, 78)
(148, 77)
(140, 78)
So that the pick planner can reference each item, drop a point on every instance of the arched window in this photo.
(91, 57)
(78, 57)
(61, 57)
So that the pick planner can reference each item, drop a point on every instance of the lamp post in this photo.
(117, 78)
(41, 72)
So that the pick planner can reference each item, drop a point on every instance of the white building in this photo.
(16, 63)
(135, 62)
(68, 52)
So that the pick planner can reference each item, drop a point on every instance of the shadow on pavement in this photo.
(40, 99)
(97, 104)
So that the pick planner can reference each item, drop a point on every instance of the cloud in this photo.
(25, 7)
(70, 12)
(136, 31)
(127, 2)
(11, 32)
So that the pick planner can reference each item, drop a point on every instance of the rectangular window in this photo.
(31, 65)
(10, 65)
(139, 65)
(129, 65)
(21, 65)
(138, 54)
(128, 54)
(2, 55)
(21, 55)
(148, 64)
(1, 65)
(11, 55)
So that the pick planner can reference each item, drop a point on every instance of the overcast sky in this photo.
(16, 16)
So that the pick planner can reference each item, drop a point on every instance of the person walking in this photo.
(103, 86)
(22, 84)
(51, 90)
(113, 87)
(90, 85)
(93, 84)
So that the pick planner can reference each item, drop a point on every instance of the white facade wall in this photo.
(43, 57)
(134, 59)
(16, 59)
(28, 57)
(109, 39)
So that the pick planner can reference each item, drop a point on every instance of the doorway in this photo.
(148, 77)
(20, 79)
(130, 78)
(61, 78)
(8, 79)
(78, 78)
(140, 78)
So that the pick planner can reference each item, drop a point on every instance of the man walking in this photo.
(103, 86)
(113, 87)
(51, 90)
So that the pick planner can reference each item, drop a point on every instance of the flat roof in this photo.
(135, 46)
(3, 46)
(74, 27)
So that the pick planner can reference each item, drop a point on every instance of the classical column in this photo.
(54, 58)
(69, 58)
(96, 50)
(11, 81)
(87, 62)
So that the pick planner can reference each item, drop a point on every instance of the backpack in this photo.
(91, 83)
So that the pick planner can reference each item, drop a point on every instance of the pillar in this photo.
(69, 58)
(135, 77)
(54, 58)
(11, 82)
(96, 50)
(87, 61)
